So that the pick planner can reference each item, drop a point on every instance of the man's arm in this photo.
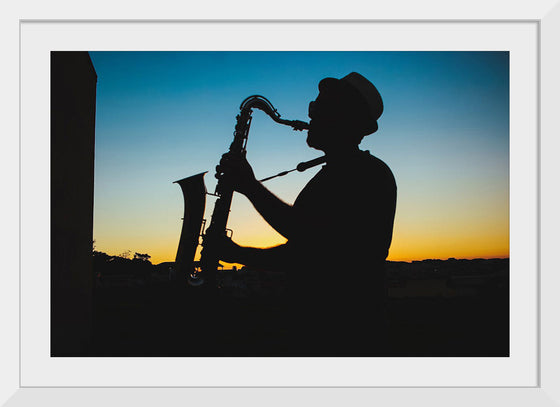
(239, 174)
(276, 212)
(270, 258)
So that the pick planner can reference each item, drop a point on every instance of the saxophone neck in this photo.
(296, 124)
(262, 103)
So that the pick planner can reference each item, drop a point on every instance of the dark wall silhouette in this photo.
(73, 93)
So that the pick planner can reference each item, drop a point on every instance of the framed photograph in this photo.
(513, 54)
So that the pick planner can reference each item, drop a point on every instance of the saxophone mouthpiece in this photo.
(300, 125)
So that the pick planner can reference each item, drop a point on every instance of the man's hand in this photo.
(236, 171)
(227, 249)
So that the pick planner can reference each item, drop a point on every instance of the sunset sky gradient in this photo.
(163, 116)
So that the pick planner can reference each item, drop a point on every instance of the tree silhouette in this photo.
(139, 266)
(142, 257)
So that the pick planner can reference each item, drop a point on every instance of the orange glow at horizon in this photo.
(408, 243)
(160, 255)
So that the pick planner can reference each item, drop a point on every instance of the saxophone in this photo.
(194, 193)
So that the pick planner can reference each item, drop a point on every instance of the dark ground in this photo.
(162, 320)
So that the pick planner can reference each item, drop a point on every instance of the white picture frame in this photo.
(546, 15)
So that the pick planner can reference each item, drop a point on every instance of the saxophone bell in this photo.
(194, 197)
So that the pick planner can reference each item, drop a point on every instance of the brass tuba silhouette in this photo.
(194, 194)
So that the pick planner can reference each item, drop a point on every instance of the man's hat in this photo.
(364, 92)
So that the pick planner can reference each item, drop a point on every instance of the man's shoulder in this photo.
(373, 163)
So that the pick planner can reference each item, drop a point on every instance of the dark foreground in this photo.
(427, 316)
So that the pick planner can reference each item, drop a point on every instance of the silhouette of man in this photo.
(338, 230)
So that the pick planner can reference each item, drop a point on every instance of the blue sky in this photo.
(162, 116)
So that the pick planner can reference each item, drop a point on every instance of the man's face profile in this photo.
(326, 122)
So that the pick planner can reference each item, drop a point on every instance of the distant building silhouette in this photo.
(73, 95)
